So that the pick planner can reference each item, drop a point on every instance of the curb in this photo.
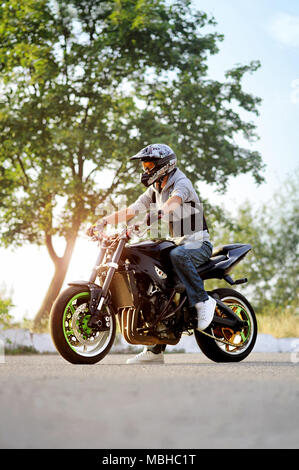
(42, 343)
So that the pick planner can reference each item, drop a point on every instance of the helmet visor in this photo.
(148, 166)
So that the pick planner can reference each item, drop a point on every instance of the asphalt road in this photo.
(187, 403)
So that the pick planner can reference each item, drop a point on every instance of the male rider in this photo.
(172, 195)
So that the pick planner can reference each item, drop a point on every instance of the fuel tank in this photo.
(152, 258)
(147, 257)
(154, 249)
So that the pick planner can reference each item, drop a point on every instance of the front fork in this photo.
(98, 294)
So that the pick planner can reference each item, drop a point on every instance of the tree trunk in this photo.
(61, 266)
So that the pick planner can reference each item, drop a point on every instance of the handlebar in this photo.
(127, 232)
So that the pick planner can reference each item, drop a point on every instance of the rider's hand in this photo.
(90, 231)
(152, 217)
(98, 227)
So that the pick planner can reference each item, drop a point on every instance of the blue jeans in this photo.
(185, 260)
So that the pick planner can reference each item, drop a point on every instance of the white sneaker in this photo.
(205, 312)
(147, 357)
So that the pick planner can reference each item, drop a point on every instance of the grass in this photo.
(280, 324)
(20, 350)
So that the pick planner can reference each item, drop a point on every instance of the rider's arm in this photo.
(171, 204)
(179, 195)
(124, 215)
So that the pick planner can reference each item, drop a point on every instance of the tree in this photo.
(279, 222)
(272, 230)
(86, 83)
(6, 306)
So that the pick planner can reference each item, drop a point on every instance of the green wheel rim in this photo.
(243, 312)
(71, 308)
(79, 336)
(238, 311)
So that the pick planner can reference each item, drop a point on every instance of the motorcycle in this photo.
(137, 286)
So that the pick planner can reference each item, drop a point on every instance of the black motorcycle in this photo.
(137, 285)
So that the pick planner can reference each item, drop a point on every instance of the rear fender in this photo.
(225, 260)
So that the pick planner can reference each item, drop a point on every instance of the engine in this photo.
(145, 311)
(153, 302)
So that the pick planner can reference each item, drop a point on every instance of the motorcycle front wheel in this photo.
(224, 344)
(72, 337)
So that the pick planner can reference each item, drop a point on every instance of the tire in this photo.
(219, 352)
(73, 339)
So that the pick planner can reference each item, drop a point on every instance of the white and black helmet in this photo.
(164, 159)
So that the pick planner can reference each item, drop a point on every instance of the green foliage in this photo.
(272, 265)
(6, 304)
(20, 350)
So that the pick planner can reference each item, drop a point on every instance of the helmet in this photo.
(162, 156)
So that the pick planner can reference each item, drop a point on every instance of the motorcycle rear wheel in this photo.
(240, 342)
(72, 337)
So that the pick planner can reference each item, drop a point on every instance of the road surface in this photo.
(188, 403)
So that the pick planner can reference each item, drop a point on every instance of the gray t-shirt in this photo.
(187, 225)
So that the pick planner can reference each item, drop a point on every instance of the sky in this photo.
(264, 30)
(268, 31)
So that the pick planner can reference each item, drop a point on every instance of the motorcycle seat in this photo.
(212, 261)
(219, 254)
(224, 249)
